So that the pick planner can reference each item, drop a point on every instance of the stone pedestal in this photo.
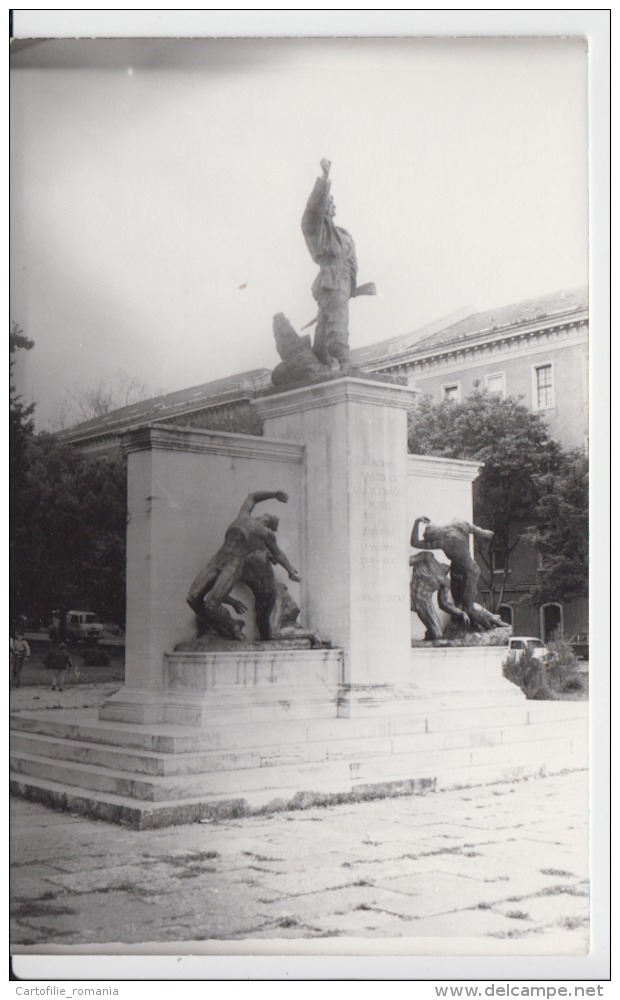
(355, 525)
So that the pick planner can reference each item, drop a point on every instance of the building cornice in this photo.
(486, 342)
(162, 415)
(432, 466)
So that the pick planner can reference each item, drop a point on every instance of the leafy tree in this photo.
(515, 447)
(68, 518)
(560, 530)
(21, 431)
(73, 546)
(21, 425)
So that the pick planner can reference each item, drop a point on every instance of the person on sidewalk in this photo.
(57, 661)
(21, 652)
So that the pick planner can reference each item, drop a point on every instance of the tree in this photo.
(515, 447)
(99, 399)
(21, 431)
(21, 425)
(72, 551)
(560, 530)
(68, 518)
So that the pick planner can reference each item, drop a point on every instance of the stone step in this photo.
(149, 762)
(198, 712)
(237, 774)
(167, 738)
(149, 815)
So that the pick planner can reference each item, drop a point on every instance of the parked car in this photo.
(81, 626)
(580, 644)
(518, 644)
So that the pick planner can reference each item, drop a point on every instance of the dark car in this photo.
(580, 645)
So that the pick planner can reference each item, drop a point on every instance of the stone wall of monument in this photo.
(185, 488)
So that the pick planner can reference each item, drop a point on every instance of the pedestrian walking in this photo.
(20, 653)
(57, 661)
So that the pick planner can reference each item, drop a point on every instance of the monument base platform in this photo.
(468, 727)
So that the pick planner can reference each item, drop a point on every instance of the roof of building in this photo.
(169, 405)
(480, 324)
(464, 325)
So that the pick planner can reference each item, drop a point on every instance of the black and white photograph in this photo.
(303, 349)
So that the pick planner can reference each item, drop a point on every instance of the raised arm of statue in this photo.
(482, 533)
(315, 214)
(416, 541)
(252, 499)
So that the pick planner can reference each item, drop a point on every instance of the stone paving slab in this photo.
(414, 868)
(547, 909)
(477, 923)
(29, 699)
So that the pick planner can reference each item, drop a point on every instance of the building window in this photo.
(452, 391)
(540, 561)
(495, 384)
(542, 387)
(499, 551)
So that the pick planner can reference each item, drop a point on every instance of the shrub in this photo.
(545, 683)
(528, 673)
(96, 658)
(562, 654)
(563, 670)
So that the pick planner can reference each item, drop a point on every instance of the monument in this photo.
(317, 693)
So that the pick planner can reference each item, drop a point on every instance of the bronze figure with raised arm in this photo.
(245, 535)
(453, 539)
(333, 249)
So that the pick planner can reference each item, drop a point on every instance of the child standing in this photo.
(58, 661)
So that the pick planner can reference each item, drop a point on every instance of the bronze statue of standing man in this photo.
(332, 248)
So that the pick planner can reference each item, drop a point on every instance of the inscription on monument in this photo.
(379, 555)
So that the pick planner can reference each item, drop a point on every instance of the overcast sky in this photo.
(152, 179)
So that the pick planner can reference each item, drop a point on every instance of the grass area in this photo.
(35, 674)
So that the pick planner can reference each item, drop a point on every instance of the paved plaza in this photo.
(490, 870)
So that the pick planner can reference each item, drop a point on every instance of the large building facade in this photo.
(535, 350)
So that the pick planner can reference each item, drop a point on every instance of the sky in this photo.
(157, 188)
